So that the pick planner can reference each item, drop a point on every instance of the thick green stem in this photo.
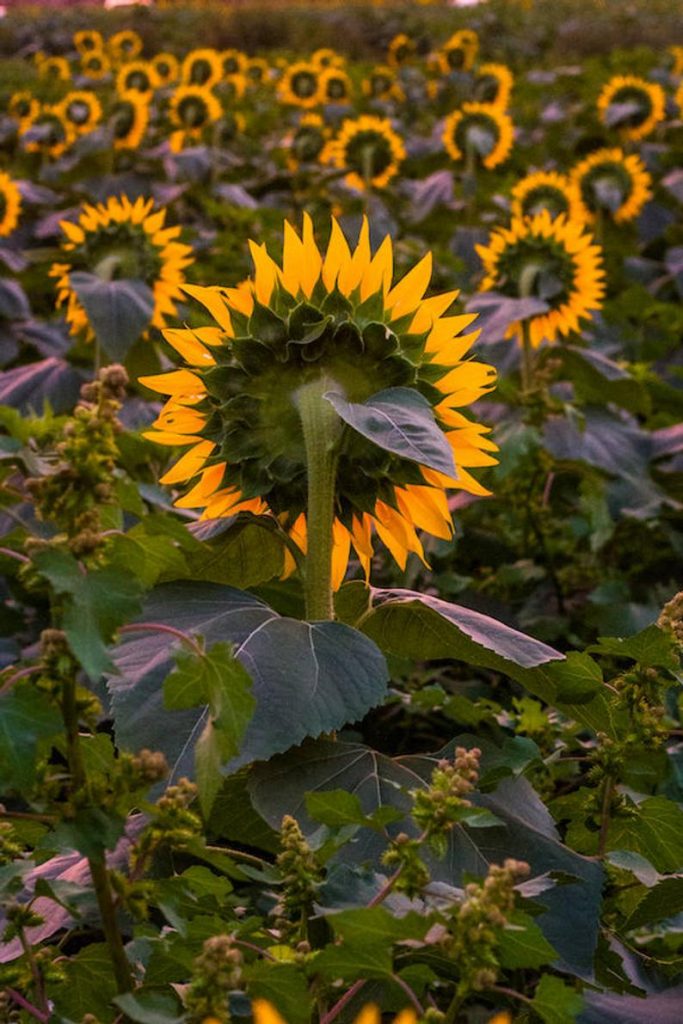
(527, 358)
(321, 428)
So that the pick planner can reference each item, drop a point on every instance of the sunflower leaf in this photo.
(401, 421)
(118, 311)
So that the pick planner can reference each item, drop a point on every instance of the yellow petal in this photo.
(179, 383)
(265, 1013)
(379, 272)
(265, 272)
(212, 300)
(407, 294)
(186, 342)
(189, 465)
(208, 484)
(337, 257)
(350, 276)
(312, 258)
(341, 547)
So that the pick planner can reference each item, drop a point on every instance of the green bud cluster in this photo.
(173, 823)
(299, 870)
(405, 854)
(10, 847)
(216, 972)
(438, 807)
(671, 618)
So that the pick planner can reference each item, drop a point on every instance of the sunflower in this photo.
(128, 120)
(202, 67)
(609, 180)
(191, 109)
(23, 107)
(95, 66)
(55, 69)
(166, 67)
(124, 239)
(481, 129)
(382, 84)
(137, 76)
(88, 41)
(234, 62)
(555, 260)
(369, 149)
(10, 204)
(305, 144)
(82, 110)
(124, 46)
(325, 57)
(227, 128)
(547, 190)
(232, 88)
(257, 70)
(493, 84)
(331, 322)
(460, 52)
(335, 86)
(300, 85)
(265, 1013)
(400, 49)
(677, 60)
(634, 105)
(52, 133)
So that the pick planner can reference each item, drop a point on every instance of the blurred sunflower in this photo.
(335, 86)
(382, 84)
(88, 41)
(325, 57)
(124, 46)
(305, 144)
(48, 132)
(234, 62)
(546, 190)
(257, 70)
(400, 49)
(82, 110)
(167, 67)
(129, 119)
(265, 1013)
(192, 108)
(460, 52)
(493, 84)
(677, 60)
(95, 65)
(23, 107)
(232, 88)
(678, 99)
(137, 76)
(10, 204)
(555, 260)
(227, 128)
(480, 130)
(300, 85)
(321, 323)
(612, 181)
(55, 69)
(369, 149)
(120, 239)
(631, 104)
(202, 67)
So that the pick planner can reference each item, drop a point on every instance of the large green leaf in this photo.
(118, 311)
(526, 829)
(308, 678)
(555, 1002)
(401, 421)
(26, 717)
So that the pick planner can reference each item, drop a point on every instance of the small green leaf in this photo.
(150, 1007)
(651, 648)
(26, 718)
(578, 678)
(523, 945)
(663, 901)
(555, 1002)
(655, 832)
(284, 985)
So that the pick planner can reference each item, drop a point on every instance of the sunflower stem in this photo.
(527, 358)
(322, 428)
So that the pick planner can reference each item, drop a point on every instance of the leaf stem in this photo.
(607, 791)
(160, 627)
(40, 1015)
(321, 428)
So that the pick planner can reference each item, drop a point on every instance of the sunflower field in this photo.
(341, 513)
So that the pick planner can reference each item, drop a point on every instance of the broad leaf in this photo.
(663, 901)
(118, 311)
(26, 717)
(498, 312)
(555, 1002)
(28, 388)
(308, 678)
(283, 985)
(401, 421)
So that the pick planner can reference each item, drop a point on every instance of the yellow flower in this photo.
(10, 204)
(547, 190)
(381, 84)
(57, 134)
(493, 84)
(646, 98)
(335, 86)
(400, 49)
(167, 67)
(677, 56)
(300, 85)
(555, 260)
(55, 68)
(678, 98)
(129, 119)
(484, 129)
(234, 62)
(202, 67)
(137, 76)
(257, 70)
(82, 110)
(127, 239)
(124, 46)
(23, 107)
(95, 65)
(460, 52)
(333, 317)
(191, 109)
(327, 58)
(305, 144)
(88, 40)
(265, 1013)
(613, 181)
(369, 149)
